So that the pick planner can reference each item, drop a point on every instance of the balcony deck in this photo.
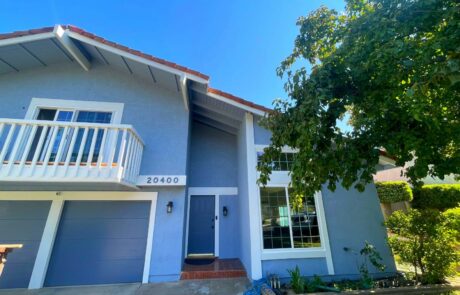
(49, 152)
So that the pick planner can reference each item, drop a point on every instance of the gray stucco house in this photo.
(116, 166)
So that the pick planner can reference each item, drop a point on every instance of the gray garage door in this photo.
(21, 222)
(99, 242)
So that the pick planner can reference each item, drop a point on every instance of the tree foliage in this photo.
(394, 66)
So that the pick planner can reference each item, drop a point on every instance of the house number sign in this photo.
(161, 180)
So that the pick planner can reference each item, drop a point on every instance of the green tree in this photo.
(394, 66)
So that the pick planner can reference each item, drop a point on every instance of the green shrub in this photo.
(298, 283)
(453, 218)
(426, 240)
(437, 196)
(393, 191)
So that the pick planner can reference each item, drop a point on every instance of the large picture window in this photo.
(288, 220)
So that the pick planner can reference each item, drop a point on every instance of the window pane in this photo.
(275, 218)
(91, 117)
(304, 221)
(94, 117)
(64, 116)
(45, 114)
(283, 163)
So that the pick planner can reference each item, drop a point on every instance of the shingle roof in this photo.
(137, 53)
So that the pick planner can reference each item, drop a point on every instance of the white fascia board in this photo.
(25, 39)
(135, 57)
(184, 91)
(63, 38)
(237, 104)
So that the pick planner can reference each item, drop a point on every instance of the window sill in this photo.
(293, 253)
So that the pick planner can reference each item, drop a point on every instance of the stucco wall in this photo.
(261, 135)
(229, 230)
(353, 218)
(308, 267)
(167, 248)
(213, 157)
(157, 114)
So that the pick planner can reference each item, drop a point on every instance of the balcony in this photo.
(54, 154)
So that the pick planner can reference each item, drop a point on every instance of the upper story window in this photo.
(71, 111)
(288, 220)
(283, 163)
(69, 116)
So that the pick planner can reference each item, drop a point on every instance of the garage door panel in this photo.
(92, 209)
(122, 271)
(16, 274)
(21, 222)
(104, 228)
(100, 249)
(30, 229)
(99, 242)
(22, 210)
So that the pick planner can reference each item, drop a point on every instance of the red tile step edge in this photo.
(212, 274)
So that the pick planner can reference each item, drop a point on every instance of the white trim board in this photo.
(253, 200)
(285, 149)
(49, 233)
(76, 196)
(27, 38)
(148, 248)
(213, 191)
(116, 108)
(63, 37)
(45, 249)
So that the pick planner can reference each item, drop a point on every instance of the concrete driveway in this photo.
(231, 286)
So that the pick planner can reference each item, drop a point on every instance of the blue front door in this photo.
(201, 225)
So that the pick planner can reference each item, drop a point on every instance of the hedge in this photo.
(437, 196)
(453, 218)
(393, 191)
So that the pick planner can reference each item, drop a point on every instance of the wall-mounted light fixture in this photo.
(169, 207)
(225, 211)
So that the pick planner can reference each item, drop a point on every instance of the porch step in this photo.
(220, 268)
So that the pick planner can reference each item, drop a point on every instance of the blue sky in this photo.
(239, 43)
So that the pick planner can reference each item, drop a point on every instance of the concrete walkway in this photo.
(231, 286)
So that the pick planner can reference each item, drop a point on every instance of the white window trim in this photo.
(58, 199)
(285, 149)
(283, 179)
(314, 252)
(115, 108)
(267, 252)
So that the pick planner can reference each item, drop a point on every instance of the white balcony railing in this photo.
(49, 151)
